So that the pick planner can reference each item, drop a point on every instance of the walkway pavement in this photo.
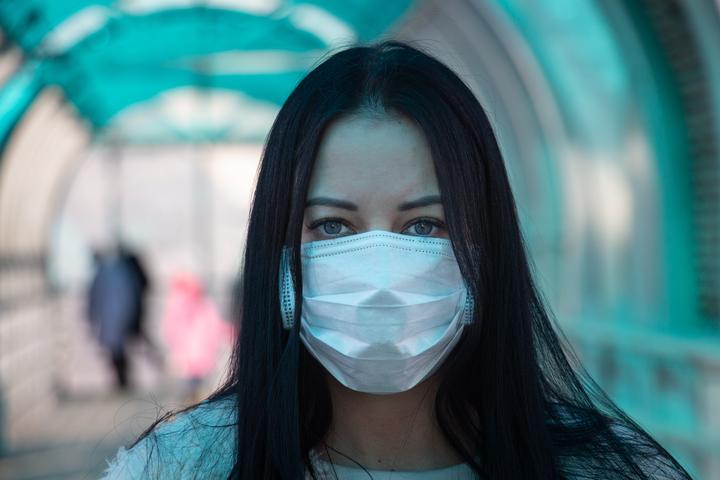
(82, 433)
(85, 422)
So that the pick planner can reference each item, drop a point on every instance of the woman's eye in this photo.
(423, 228)
(330, 228)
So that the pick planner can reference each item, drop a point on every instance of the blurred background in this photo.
(130, 133)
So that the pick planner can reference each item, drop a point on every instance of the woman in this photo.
(390, 324)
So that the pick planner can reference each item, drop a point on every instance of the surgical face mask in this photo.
(380, 310)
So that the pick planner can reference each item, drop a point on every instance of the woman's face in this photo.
(373, 174)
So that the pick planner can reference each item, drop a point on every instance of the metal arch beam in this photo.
(27, 22)
(101, 82)
(660, 117)
(491, 56)
(108, 55)
(190, 31)
(16, 96)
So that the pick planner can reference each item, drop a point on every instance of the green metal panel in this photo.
(144, 40)
(370, 16)
(665, 122)
(581, 64)
(569, 38)
(29, 21)
(607, 79)
(582, 59)
(16, 95)
(131, 57)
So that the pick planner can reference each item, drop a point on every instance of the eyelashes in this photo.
(324, 222)
(434, 223)
(333, 226)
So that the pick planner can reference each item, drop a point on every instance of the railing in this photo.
(668, 381)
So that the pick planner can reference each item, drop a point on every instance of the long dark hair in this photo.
(512, 401)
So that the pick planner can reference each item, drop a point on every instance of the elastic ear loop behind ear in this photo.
(287, 290)
(469, 309)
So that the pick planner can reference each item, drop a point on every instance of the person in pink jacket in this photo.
(193, 331)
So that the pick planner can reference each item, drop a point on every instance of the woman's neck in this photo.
(387, 432)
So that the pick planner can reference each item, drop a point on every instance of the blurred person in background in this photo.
(113, 307)
(138, 331)
(391, 323)
(194, 333)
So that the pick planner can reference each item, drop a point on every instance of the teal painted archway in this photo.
(110, 56)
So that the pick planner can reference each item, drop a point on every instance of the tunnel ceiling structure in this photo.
(79, 73)
(577, 91)
(157, 61)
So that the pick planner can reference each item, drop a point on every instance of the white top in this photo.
(200, 444)
(455, 472)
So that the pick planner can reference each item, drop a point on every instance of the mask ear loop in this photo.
(469, 309)
(287, 290)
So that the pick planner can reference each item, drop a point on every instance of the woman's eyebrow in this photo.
(420, 202)
(344, 204)
(331, 202)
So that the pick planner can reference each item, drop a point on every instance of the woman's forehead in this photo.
(362, 155)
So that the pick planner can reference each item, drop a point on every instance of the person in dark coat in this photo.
(114, 300)
(138, 332)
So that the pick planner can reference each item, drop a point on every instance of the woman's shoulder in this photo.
(196, 443)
